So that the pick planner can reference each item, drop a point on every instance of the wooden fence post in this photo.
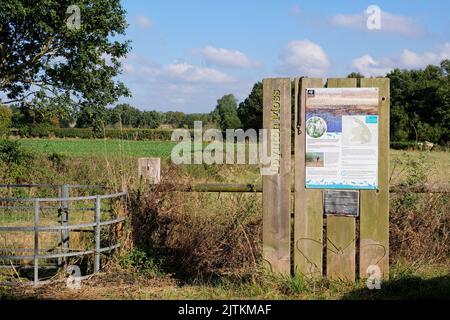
(277, 186)
(149, 169)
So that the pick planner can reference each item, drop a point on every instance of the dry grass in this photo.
(116, 283)
(200, 235)
(420, 228)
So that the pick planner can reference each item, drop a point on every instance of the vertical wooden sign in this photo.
(308, 224)
(276, 180)
(374, 220)
(341, 239)
(340, 236)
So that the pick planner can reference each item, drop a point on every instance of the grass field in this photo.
(110, 148)
(438, 162)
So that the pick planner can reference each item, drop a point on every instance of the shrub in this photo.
(57, 160)
(139, 260)
(12, 153)
(5, 120)
(41, 130)
(403, 145)
(44, 130)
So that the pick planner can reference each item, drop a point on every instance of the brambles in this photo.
(141, 262)
(199, 235)
(419, 223)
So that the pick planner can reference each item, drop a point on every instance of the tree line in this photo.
(420, 104)
(420, 110)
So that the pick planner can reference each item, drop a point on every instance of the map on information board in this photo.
(342, 138)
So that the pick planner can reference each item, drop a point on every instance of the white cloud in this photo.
(190, 73)
(144, 22)
(390, 23)
(180, 86)
(144, 69)
(304, 57)
(410, 59)
(370, 66)
(225, 58)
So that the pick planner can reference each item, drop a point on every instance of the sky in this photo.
(187, 54)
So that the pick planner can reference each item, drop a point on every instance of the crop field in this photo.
(109, 148)
(438, 162)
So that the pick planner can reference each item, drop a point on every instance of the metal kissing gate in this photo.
(340, 172)
(35, 230)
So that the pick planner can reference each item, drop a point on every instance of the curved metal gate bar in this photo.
(64, 252)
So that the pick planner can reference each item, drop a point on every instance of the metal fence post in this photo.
(60, 222)
(36, 242)
(65, 221)
(97, 234)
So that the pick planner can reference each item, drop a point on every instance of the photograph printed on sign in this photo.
(342, 138)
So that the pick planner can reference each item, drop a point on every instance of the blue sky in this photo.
(187, 54)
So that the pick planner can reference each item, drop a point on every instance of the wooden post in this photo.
(308, 223)
(149, 169)
(341, 239)
(374, 220)
(277, 186)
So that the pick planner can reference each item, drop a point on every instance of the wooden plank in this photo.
(341, 248)
(374, 214)
(277, 187)
(341, 239)
(308, 221)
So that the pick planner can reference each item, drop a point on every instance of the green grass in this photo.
(108, 148)
(438, 162)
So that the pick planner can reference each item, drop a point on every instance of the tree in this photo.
(250, 111)
(151, 119)
(190, 118)
(175, 119)
(420, 104)
(356, 75)
(50, 65)
(128, 116)
(226, 113)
